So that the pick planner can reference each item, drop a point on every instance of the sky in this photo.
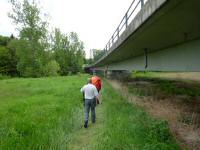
(93, 20)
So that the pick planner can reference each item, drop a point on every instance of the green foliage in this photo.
(88, 61)
(97, 54)
(4, 77)
(28, 65)
(4, 40)
(8, 58)
(5, 58)
(60, 46)
(52, 68)
(68, 52)
(159, 131)
(31, 46)
(27, 16)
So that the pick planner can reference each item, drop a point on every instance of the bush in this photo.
(4, 77)
(52, 68)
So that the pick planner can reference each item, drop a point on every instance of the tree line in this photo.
(36, 52)
(97, 54)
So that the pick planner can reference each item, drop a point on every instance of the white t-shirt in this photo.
(90, 91)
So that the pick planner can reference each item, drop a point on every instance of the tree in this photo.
(8, 58)
(77, 54)
(60, 47)
(33, 49)
(25, 63)
(5, 59)
(32, 32)
(4, 40)
(97, 54)
(52, 68)
(68, 52)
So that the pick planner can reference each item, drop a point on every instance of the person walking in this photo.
(96, 81)
(90, 96)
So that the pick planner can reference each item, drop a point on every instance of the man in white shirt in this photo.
(90, 96)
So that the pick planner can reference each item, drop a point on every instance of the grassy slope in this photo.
(47, 113)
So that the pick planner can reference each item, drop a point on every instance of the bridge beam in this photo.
(182, 57)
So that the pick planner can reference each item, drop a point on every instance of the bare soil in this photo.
(181, 112)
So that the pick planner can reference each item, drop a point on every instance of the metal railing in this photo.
(132, 11)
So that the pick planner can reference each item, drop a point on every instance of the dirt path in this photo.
(84, 139)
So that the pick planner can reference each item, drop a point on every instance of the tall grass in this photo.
(39, 113)
(129, 127)
(43, 113)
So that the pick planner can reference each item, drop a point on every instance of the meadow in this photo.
(39, 113)
(47, 113)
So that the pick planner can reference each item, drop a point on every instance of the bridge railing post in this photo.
(118, 33)
(112, 39)
(146, 58)
(142, 3)
(126, 20)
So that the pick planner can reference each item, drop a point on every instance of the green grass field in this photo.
(47, 113)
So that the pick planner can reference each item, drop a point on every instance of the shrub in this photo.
(4, 77)
(52, 68)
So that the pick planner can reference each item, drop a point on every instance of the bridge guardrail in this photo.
(130, 14)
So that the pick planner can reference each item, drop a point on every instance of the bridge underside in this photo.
(183, 57)
(169, 40)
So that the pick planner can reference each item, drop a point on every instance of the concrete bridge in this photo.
(162, 35)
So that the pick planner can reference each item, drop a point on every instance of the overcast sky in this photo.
(93, 20)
